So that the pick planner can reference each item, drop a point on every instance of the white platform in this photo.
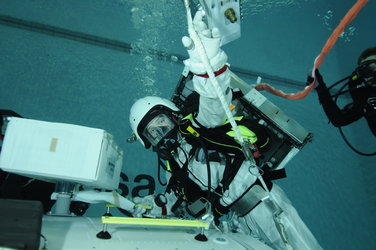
(80, 233)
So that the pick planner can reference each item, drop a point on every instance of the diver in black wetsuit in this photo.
(362, 87)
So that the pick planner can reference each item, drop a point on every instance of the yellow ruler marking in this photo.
(153, 222)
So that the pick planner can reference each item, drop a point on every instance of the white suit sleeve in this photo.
(211, 112)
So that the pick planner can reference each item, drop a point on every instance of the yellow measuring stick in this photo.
(154, 222)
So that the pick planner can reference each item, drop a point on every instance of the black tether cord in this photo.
(352, 147)
(335, 84)
(208, 167)
(207, 164)
(160, 163)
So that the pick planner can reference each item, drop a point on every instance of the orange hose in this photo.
(292, 96)
(351, 14)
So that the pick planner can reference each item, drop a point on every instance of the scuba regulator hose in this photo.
(336, 96)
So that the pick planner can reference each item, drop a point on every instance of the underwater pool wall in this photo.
(54, 78)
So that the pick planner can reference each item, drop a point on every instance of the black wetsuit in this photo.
(362, 95)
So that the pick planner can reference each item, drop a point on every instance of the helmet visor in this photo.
(158, 128)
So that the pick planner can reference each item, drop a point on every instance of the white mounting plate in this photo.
(215, 10)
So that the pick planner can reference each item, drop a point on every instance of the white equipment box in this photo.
(61, 152)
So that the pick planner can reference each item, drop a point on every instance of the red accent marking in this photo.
(217, 73)
(164, 210)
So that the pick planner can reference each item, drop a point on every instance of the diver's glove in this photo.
(211, 42)
(320, 84)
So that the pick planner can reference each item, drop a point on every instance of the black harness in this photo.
(217, 147)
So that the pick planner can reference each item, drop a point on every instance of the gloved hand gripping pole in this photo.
(226, 106)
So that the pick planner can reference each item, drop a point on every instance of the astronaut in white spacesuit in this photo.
(206, 166)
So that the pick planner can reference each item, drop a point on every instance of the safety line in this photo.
(127, 47)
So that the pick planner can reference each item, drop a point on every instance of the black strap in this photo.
(161, 164)
(177, 204)
(236, 94)
(270, 174)
(231, 169)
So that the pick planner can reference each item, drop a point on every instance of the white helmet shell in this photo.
(141, 108)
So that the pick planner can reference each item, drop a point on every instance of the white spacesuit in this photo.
(265, 214)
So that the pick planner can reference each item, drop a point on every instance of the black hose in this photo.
(340, 91)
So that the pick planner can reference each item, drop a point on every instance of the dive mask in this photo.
(162, 133)
(367, 72)
(158, 128)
